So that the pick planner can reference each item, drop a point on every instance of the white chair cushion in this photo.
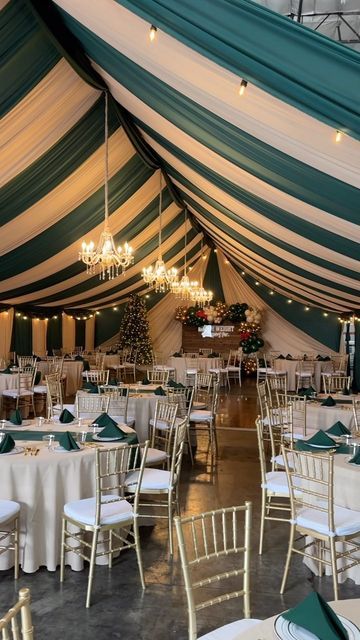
(279, 460)
(346, 521)
(84, 511)
(40, 388)
(231, 367)
(199, 405)
(218, 371)
(13, 393)
(161, 424)
(152, 479)
(200, 416)
(276, 482)
(304, 374)
(163, 367)
(154, 456)
(191, 372)
(232, 631)
(8, 510)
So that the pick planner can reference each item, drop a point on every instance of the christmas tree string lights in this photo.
(134, 330)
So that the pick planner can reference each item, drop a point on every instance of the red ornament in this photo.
(200, 314)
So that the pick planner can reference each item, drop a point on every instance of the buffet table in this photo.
(203, 363)
(291, 366)
(42, 484)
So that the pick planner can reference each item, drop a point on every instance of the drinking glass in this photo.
(81, 437)
(49, 441)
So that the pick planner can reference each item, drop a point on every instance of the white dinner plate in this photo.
(100, 439)
(286, 630)
(60, 449)
(322, 446)
(13, 452)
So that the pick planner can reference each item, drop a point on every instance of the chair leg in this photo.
(92, 566)
(189, 443)
(262, 521)
(16, 548)
(288, 558)
(170, 518)
(138, 552)
(62, 552)
(110, 549)
(334, 567)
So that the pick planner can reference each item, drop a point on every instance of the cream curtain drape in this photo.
(39, 331)
(6, 326)
(68, 333)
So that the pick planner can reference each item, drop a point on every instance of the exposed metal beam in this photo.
(299, 11)
(350, 27)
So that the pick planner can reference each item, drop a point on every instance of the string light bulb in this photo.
(307, 308)
(243, 85)
(152, 33)
(338, 135)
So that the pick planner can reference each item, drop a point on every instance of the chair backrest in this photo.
(97, 376)
(55, 366)
(192, 354)
(9, 623)
(261, 436)
(112, 467)
(305, 366)
(209, 543)
(277, 383)
(100, 360)
(262, 391)
(157, 376)
(234, 358)
(335, 383)
(311, 482)
(165, 414)
(26, 379)
(340, 362)
(204, 381)
(177, 452)
(204, 352)
(53, 393)
(297, 415)
(183, 397)
(279, 423)
(356, 412)
(91, 403)
(119, 399)
(26, 361)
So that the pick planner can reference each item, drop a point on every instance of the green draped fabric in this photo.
(22, 336)
(80, 333)
(212, 278)
(301, 67)
(54, 334)
(356, 381)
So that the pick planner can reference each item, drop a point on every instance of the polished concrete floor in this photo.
(122, 610)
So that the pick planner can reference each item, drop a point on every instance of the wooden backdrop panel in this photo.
(192, 340)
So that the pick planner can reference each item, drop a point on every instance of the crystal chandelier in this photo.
(106, 258)
(158, 276)
(185, 287)
(199, 295)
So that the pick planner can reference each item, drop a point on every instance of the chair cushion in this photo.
(199, 405)
(13, 393)
(200, 416)
(232, 631)
(40, 388)
(191, 372)
(83, 511)
(232, 367)
(152, 479)
(8, 510)
(161, 424)
(154, 456)
(346, 521)
(279, 460)
(276, 482)
(266, 370)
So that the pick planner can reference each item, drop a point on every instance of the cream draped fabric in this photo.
(6, 326)
(278, 333)
(90, 333)
(39, 331)
(68, 333)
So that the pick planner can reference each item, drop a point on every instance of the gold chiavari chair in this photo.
(304, 374)
(54, 397)
(23, 394)
(214, 549)
(202, 397)
(233, 365)
(108, 511)
(279, 424)
(26, 361)
(205, 420)
(9, 530)
(298, 414)
(157, 376)
(263, 368)
(97, 376)
(11, 627)
(314, 514)
(183, 397)
(336, 384)
(119, 400)
(100, 361)
(276, 383)
(356, 412)
(161, 432)
(192, 367)
(88, 405)
(340, 363)
(162, 485)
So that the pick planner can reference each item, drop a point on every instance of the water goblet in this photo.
(81, 437)
(2, 424)
(40, 421)
(49, 440)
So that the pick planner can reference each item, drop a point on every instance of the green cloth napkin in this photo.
(67, 442)
(356, 458)
(112, 431)
(7, 370)
(320, 358)
(346, 391)
(315, 615)
(329, 402)
(320, 438)
(15, 417)
(146, 381)
(289, 357)
(90, 387)
(338, 429)
(104, 420)
(175, 385)
(113, 382)
(66, 416)
(213, 355)
(301, 445)
(86, 365)
(326, 358)
(79, 358)
(7, 444)
(37, 377)
(307, 391)
(159, 391)
(177, 355)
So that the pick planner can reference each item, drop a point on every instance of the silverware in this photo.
(36, 452)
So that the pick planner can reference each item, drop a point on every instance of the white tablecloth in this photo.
(179, 364)
(72, 369)
(42, 484)
(319, 417)
(265, 630)
(290, 366)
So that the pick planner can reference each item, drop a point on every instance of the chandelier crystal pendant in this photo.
(106, 259)
(199, 295)
(158, 276)
(185, 287)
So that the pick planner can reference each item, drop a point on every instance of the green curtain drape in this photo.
(80, 333)
(108, 323)
(212, 278)
(356, 372)
(54, 334)
(22, 336)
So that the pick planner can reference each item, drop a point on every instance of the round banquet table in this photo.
(265, 630)
(290, 366)
(319, 417)
(71, 368)
(204, 364)
(42, 484)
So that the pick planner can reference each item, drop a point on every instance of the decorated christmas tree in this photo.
(134, 330)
